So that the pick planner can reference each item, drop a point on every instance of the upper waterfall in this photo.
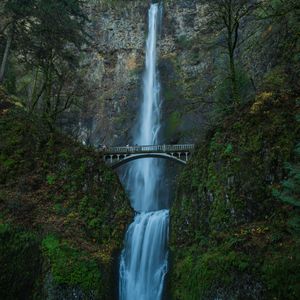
(144, 176)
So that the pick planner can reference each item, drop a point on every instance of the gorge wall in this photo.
(191, 64)
(114, 63)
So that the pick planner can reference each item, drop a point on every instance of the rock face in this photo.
(114, 61)
(114, 64)
(193, 67)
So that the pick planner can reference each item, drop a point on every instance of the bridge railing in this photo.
(149, 149)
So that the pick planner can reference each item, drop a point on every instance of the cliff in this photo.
(114, 63)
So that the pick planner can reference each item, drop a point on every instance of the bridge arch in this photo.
(118, 156)
(146, 155)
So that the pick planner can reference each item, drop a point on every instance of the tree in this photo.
(53, 50)
(16, 15)
(46, 37)
(228, 16)
(280, 21)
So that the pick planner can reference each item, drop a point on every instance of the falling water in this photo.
(143, 264)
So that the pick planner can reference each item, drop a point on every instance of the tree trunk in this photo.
(232, 25)
(6, 52)
(234, 87)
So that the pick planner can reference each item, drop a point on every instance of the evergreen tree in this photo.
(17, 21)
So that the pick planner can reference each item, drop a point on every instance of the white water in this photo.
(143, 264)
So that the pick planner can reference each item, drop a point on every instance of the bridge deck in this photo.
(149, 149)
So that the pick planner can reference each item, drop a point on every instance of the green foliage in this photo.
(50, 179)
(184, 42)
(47, 39)
(225, 19)
(173, 123)
(20, 263)
(228, 149)
(10, 81)
(223, 99)
(18, 8)
(214, 268)
(72, 267)
(280, 25)
(291, 186)
(281, 272)
(169, 94)
(50, 183)
(276, 80)
(226, 225)
(7, 163)
(110, 3)
(291, 190)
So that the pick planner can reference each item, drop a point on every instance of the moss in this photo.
(20, 259)
(170, 94)
(72, 267)
(184, 42)
(173, 123)
(281, 272)
(210, 270)
(225, 222)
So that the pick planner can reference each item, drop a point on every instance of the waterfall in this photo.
(143, 263)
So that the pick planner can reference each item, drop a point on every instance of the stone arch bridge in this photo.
(118, 156)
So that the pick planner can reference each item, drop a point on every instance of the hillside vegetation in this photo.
(63, 213)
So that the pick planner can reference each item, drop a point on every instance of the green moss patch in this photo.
(71, 266)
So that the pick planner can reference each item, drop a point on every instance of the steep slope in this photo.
(62, 213)
(230, 236)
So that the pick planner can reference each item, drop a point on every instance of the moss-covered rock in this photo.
(229, 234)
(20, 259)
(63, 213)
